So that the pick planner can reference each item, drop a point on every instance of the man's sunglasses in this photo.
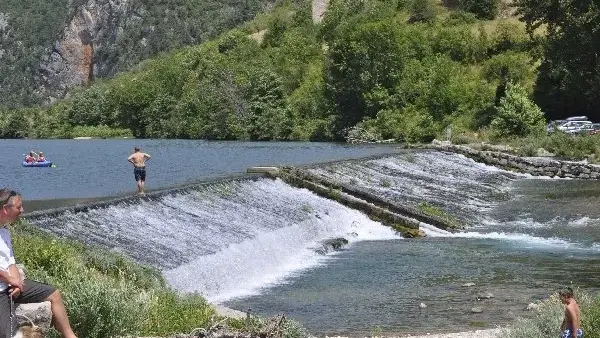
(12, 193)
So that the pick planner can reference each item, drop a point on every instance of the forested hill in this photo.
(371, 70)
(50, 46)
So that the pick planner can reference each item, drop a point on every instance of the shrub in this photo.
(456, 18)
(100, 308)
(547, 320)
(169, 312)
(484, 9)
(423, 11)
(515, 67)
(101, 131)
(517, 114)
(563, 145)
(410, 124)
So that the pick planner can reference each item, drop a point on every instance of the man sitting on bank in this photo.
(14, 289)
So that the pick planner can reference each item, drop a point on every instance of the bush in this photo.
(562, 145)
(410, 125)
(101, 131)
(170, 313)
(423, 11)
(547, 320)
(514, 67)
(100, 308)
(457, 18)
(517, 114)
(484, 9)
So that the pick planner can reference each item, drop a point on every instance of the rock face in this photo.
(38, 314)
(318, 9)
(71, 61)
(333, 244)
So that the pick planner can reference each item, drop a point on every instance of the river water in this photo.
(99, 168)
(250, 244)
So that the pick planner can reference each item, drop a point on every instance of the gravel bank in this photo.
(493, 333)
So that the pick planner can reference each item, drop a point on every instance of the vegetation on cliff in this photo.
(29, 30)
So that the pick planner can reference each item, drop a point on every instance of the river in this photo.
(250, 244)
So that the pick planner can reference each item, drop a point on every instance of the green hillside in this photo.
(28, 30)
(402, 70)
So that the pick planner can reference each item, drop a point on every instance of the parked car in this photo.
(554, 124)
(576, 127)
(596, 129)
(571, 125)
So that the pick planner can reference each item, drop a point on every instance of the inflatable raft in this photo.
(37, 164)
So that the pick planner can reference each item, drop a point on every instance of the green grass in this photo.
(431, 210)
(107, 294)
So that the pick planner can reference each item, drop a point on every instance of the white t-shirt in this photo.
(6, 253)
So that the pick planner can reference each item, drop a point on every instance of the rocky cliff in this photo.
(104, 37)
(70, 62)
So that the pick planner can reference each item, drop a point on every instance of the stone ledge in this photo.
(535, 166)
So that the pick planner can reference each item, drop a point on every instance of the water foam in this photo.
(499, 236)
(243, 269)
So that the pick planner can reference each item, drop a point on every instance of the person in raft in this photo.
(571, 323)
(30, 158)
(41, 157)
(13, 288)
(138, 159)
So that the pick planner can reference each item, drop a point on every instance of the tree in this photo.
(569, 75)
(484, 9)
(362, 57)
(517, 114)
(422, 11)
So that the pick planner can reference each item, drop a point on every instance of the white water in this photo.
(271, 257)
(226, 240)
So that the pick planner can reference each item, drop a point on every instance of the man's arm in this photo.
(147, 156)
(130, 159)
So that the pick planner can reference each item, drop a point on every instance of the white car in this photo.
(573, 127)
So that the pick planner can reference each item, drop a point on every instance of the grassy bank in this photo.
(108, 295)
(547, 320)
(572, 147)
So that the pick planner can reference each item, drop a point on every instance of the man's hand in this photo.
(14, 291)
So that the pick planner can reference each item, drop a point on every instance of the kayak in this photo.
(37, 164)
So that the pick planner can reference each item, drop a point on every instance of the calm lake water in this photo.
(98, 168)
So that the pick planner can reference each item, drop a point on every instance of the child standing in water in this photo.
(571, 325)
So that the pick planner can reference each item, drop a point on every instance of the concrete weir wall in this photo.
(403, 219)
(536, 166)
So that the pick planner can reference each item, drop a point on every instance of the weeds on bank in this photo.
(275, 327)
(572, 147)
(106, 294)
(547, 320)
(431, 210)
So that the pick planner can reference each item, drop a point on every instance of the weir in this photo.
(231, 238)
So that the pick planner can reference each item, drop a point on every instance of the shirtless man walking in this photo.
(571, 325)
(138, 159)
